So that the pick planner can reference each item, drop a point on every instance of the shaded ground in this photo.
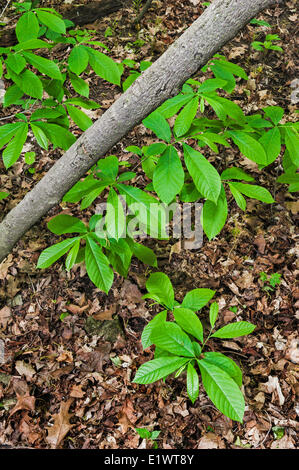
(68, 366)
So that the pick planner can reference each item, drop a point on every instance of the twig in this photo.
(3, 11)
(143, 11)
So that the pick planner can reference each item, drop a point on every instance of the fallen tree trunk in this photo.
(78, 14)
(220, 22)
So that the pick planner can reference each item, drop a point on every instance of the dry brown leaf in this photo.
(24, 400)
(4, 267)
(25, 369)
(61, 425)
(75, 309)
(5, 315)
(211, 441)
(106, 314)
(77, 391)
(292, 353)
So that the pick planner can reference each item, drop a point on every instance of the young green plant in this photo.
(180, 346)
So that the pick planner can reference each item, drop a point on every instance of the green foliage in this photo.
(149, 435)
(180, 347)
(268, 44)
(270, 282)
(32, 75)
(101, 252)
(135, 71)
(176, 168)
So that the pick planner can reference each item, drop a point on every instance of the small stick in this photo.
(5, 8)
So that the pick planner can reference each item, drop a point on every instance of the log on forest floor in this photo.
(78, 14)
(219, 23)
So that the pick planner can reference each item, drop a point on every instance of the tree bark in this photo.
(219, 23)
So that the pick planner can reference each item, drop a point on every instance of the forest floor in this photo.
(62, 369)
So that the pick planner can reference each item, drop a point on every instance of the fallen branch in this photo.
(219, 23)
(143, 12)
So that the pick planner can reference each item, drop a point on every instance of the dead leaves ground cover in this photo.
(72, 351)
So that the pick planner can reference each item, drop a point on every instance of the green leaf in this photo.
(80, 118)
(292, 144)
(14, 148)
(271, 143)
(40, 136)
(32, 44)
(159, 284)
(168, 177)
(170, 107)
(209, 138)
(115, 216)
(234, 330)
(53, 22)
(27, 27)
(192, 383)
(214, 215)
(45, 66)
(211, 84)
(7, 131)
(83, 188)
(149, 165)
(16, 63)
(234, 69)
(240, 200)
(205, 176)
(189, 321)
(197, 348)
(158, 369)
(58, 135)
(171, 338)
(224, 107)
(28, 82)
(72, 256)
(197, 298)
(249, 147)
(54, 252)
(97, 266)
(154, 149)
(222, 390)
(288, 178)
(254, 191)
(147, 210)
(224, 74)
(104, 66)
(158, 124)
(120, 255)
(145, 254)
(78, 60)
(143, 433)
(275, 113)
(83, 103)
(29, 158)
(79, 85)
(65, 223)
(12, 95)
(45, 113)
(214, 309)
(189, 193)
(184, 120)
(3, 195)
(235, 173)
(146, 334)
(225, 363)
(108, 167)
